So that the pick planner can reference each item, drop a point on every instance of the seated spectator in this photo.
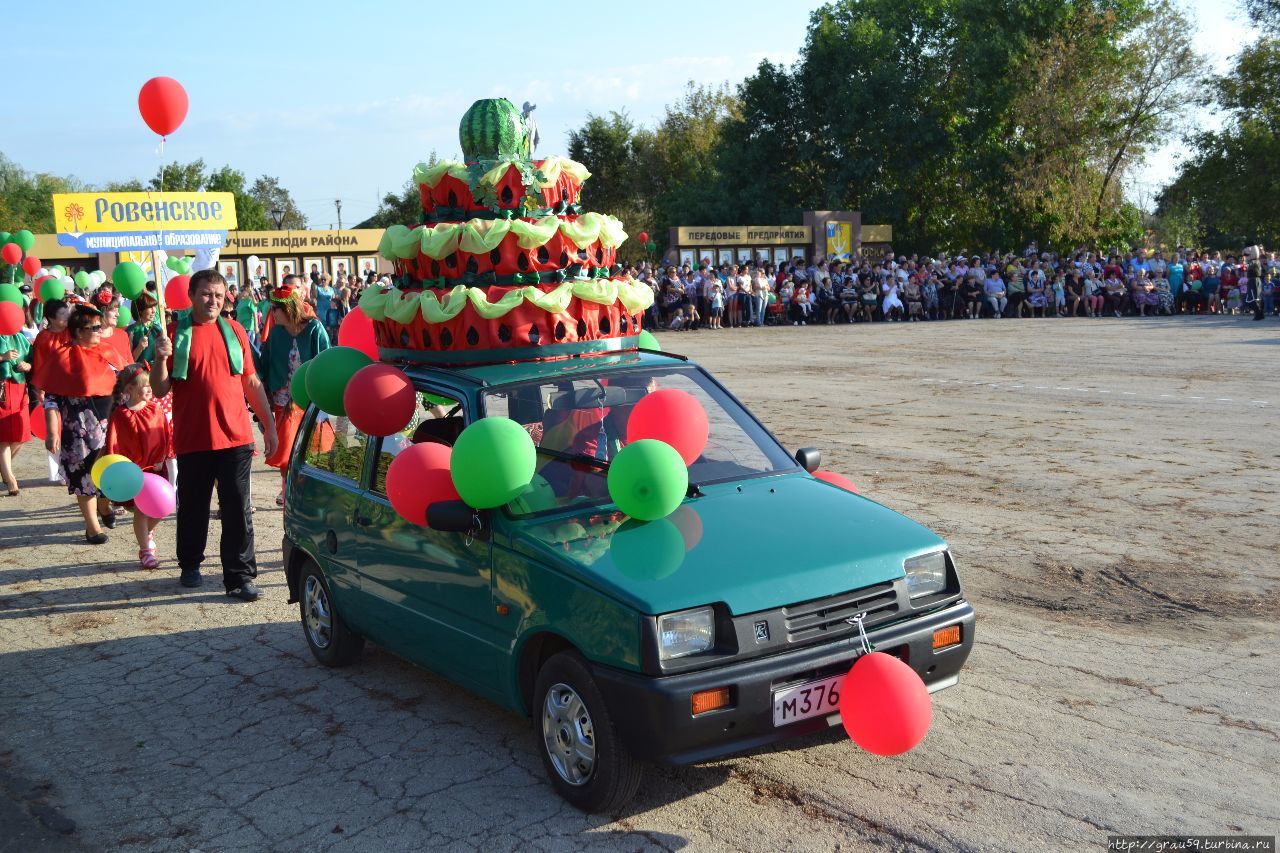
(891, 306)
(801, 309)
(1142, 291)
(931, 298)
(971, 291)
(1072, 293)
(1037, 300)
(995, 293)
(1115, 293)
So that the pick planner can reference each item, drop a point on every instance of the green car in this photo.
(724, 627)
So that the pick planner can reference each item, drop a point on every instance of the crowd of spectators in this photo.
(922, 289)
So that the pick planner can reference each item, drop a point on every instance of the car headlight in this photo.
(926, 574)
(686, 633)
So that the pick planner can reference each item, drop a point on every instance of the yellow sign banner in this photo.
(743, 235)
(839, 240)
(106, 213)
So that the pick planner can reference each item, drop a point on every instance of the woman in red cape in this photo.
(15, 425)
(78, 375)
(55, 313)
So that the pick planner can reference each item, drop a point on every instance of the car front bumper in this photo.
(653, 715)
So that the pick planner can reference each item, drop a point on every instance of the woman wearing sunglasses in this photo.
(78, 380)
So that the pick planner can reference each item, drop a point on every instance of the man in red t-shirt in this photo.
(207, 362)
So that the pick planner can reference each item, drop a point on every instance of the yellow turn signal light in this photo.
(711, 700)
(948, 636)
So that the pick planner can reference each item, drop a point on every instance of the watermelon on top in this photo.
(493, 126)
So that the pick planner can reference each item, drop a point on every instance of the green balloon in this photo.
(647, 550)
(5, 237)
(82, 280)
(492, 463)
(648, 479)
(649, 341)
(129, 279)
(298, 386)
(10, 293)
(773, 297)
(25, 239)
(333, 370)
(59, 271)
(52, 288)
(121, 481)
(125, 318)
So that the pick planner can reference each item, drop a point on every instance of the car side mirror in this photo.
(810, 459)
(456, 517)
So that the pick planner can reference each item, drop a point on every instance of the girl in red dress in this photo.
(140, 432)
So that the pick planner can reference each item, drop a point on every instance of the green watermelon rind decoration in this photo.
(493, 127)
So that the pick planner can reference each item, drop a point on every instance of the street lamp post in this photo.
(278, 215)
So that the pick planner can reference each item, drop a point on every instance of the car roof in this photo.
(523, 371)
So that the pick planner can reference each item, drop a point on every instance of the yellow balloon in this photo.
(103, 463)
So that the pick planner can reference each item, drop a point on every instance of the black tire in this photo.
(577, 715)
(331, 641)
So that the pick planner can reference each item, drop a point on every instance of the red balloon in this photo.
(380, 399)
(644, 237)
(176, 297)
(31, 265)
(163, 104)
(11, 318)
(884, 705)
(356, 332)
(12, 253)
(675, 417)
(418, 477)
(837, 480)
(39, 429)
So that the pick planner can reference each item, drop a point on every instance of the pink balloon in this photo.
(156, 500)
(356, 331)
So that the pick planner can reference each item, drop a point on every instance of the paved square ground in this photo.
(1109, 487)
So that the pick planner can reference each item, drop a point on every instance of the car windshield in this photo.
(579, 424)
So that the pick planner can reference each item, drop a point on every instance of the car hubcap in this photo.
(569, 734)
(318, 618)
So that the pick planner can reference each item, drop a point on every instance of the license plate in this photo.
(811, 699)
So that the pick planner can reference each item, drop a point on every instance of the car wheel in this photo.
(580, 749)
(331, 641)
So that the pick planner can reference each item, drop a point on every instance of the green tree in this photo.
(27, 197)
(1232, 182)
(254, 203)
(612, 148)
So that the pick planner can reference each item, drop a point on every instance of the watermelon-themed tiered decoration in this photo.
(503, 257)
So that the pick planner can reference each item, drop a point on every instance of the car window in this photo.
(433, 420)
(576, 437)
(337, 447)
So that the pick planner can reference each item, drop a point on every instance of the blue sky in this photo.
(341, 99)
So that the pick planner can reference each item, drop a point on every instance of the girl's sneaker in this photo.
(147, 558)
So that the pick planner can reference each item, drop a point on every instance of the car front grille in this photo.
(825, 617)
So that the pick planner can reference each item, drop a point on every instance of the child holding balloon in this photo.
(140, 432)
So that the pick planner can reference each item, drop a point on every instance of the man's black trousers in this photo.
(197, 474)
